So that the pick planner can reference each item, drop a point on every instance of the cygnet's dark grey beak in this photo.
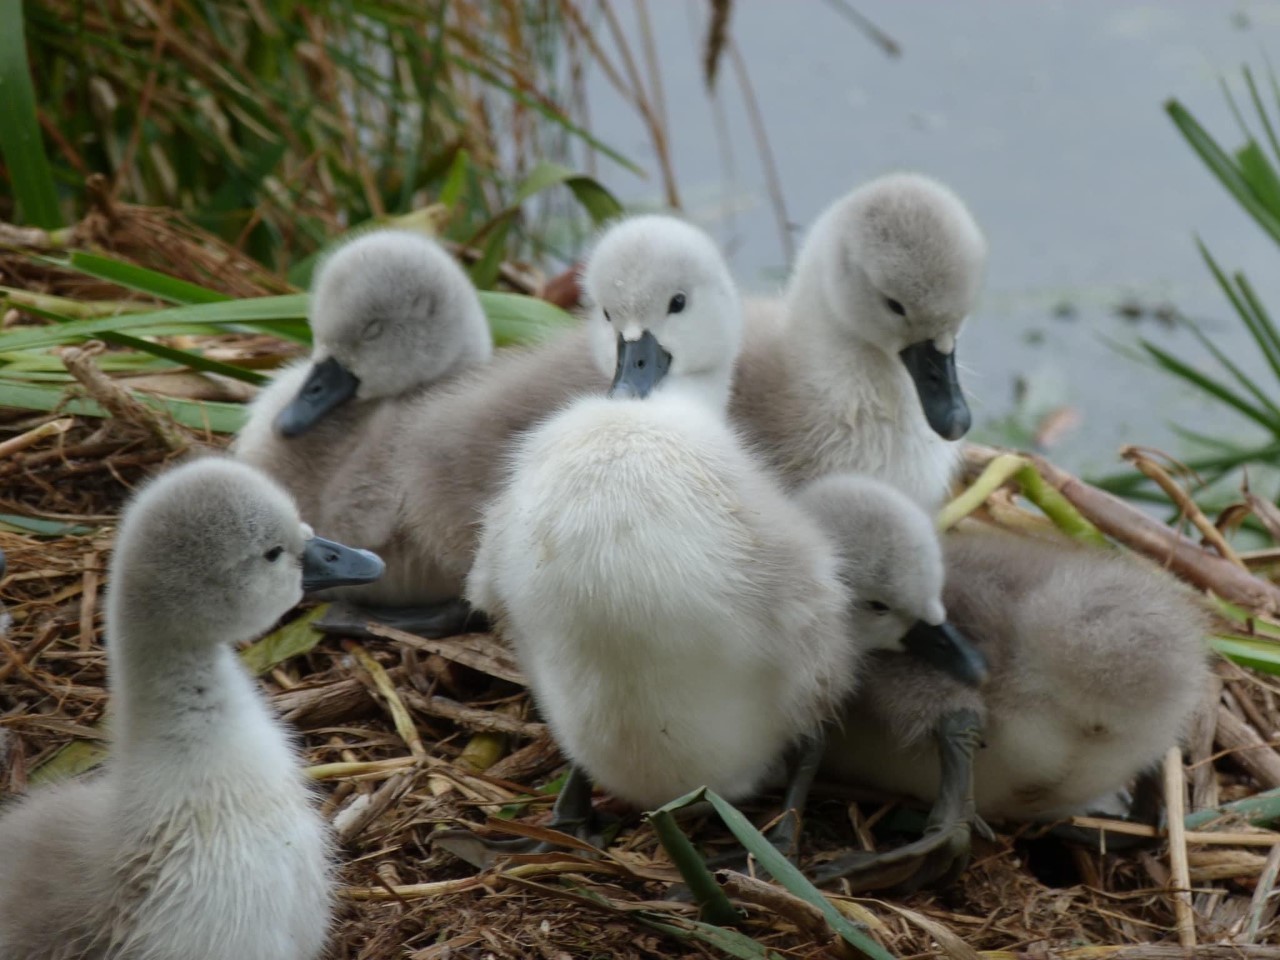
(641, 366)
(948, 649)
(329, 564)
(328, 385)
(934, 374)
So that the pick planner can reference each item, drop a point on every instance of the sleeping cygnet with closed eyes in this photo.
(200, 837)
(1097, 662)
(678, 617)
(393, 316)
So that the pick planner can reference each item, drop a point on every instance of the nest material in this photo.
(409, 734)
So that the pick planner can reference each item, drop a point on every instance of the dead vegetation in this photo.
(407, 734)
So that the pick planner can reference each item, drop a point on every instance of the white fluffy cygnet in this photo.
(200, 837)
(679, 619)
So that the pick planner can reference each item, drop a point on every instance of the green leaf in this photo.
(1254, 652)
(69, 761)
(782, 870)
(787, 874)
(1210, 386)
(15, 523)
(1222, 166)
(1260, 175)
(133, 277)
(599, 203)
(517, 319)
(733, 942)
(199, 415)
(253, 311)
(292, 640)
(21, 141)
(1260, 809)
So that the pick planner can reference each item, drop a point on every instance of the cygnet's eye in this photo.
(895, 306)
(371, 330)
(677, 303)
(875, 606)
(606, 316)
(273, 554)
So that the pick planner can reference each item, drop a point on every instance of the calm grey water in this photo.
(1047, 117)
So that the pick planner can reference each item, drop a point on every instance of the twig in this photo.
(89, 600)
(116, 400)
(1148, 536)
(1248, 748)
(387, 690)
(1175, 803)
(759, 131)
(23, 440)
(1261, 894)
(1193, 837)
(487, 721)
(1149, 468)
(890, 46)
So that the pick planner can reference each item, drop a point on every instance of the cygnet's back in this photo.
(1097, 663)
(679, 620)
(199, 839)
(393, 316)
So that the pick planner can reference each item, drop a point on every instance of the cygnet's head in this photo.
(899, 263)
(213, 550)
(663, 307)
(391, 311)
(891, 562)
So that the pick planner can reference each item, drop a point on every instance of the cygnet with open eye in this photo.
(200, 837)
(678, 618)
(857, 370)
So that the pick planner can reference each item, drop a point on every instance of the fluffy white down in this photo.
(679, 620)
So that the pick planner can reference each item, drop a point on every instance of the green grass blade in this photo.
(1222, 166)
(253, 311)
(599, 203)
(133, 277)
(1240, 376)
(21, 141)
(517, 319)
(1253, 652)
(197, 414)
(1264, 334)
(1210, 386)
(1263, 115)
(1260, 175)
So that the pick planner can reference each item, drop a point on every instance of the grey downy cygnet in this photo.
(855, 370)
(678, 617)
(200, 837)
(393, 316)
(833, 382)
(1096, 664)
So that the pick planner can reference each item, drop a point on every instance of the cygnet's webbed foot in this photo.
(449, 618)
(942, 853)
(572, 814)
(1146, 807)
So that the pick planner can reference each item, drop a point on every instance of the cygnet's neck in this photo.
(852, 372)
(173, 688)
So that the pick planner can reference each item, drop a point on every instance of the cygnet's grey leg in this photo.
(572, 814)
(802, 763)
(805, 762)
(943, 852)
(445, 619)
